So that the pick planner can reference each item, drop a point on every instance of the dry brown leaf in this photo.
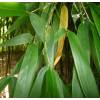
(63, 24)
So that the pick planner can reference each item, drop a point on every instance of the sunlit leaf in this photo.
(12, 9)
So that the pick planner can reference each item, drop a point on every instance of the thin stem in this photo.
(36, 10)
(76, 7)
(40, 8)
(51, 14)
(85, 11)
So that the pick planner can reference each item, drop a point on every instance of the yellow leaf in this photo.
(63, 24)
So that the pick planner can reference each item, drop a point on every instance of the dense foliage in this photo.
(62, 49)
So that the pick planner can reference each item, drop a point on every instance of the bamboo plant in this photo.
(44, 29)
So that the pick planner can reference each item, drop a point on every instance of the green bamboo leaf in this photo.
(4, 81)
(12, 84)
(83, 34)
(51, 39)
(27, 72)
(12, 9)
(83, 69)
(37, 86)
(55, 23)
(31, 6)
(96, 40)
(76, 88)
(19, 22)
(49, 46)
(38, 24)
(94, 55)
(53, 86)
(18, 40)
(96, 16)
(95, 7)
(46, 11)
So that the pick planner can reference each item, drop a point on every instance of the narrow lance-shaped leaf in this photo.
(76, 87)
(4, 81)
(96, 16)
(37, 85)
(96, 40)
(63, 24)
(49, 46)
(18, 40)
(55, 23)
(83, 69)
(83, 34)
(16, 25)
(38, 24)
(49, 39)
(12, 84)
(12, 9)
(53, 86)
(27, 72)
(94, 54)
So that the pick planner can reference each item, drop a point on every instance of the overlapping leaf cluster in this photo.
(45, 33)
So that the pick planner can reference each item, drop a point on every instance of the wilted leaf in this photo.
(63, 24)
